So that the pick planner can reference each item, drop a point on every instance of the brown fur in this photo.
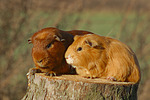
(103, 57)
(49, 46)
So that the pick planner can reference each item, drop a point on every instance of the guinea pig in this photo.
(97, 56)
(49, 46)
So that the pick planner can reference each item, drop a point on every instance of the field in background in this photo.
(127, 21)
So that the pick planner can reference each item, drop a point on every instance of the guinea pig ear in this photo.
(29, 41)
(94, 44)
(91, 43)
(57, 38)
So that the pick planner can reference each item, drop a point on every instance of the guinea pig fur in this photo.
(49, 46)
(98, 56)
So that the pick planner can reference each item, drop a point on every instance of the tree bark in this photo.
(75, 87)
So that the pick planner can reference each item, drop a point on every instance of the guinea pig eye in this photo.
(49, 45)
(79, 49)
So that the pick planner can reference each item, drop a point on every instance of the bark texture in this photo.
(74, 87)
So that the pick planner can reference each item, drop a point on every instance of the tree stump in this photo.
(75, 87)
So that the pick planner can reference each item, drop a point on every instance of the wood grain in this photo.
(75, 87)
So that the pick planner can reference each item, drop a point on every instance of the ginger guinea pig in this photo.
(49, 46)
(98, 56)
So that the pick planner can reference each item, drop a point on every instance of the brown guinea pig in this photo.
(49, 46)
(98, 56)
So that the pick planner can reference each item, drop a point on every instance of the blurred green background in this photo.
(126, 20)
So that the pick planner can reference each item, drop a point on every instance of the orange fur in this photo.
(49, 46)
(97, 56)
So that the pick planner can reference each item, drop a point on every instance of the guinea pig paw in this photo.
(111, 78)
(32, 71)
(50, 74)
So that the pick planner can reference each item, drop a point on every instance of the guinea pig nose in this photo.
(66, 57)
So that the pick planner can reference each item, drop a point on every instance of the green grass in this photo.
(100, 23)
(107, 24)
(104, 24)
